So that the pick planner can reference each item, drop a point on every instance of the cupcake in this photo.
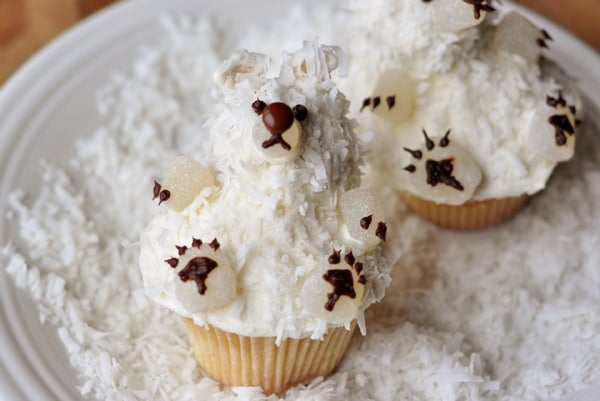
(469, 118)
(266, 244)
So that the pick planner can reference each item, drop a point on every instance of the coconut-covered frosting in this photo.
(267, 233)
(476, 81)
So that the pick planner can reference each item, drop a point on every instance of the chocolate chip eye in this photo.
(258, 106)
(277, 117)
(300, 112)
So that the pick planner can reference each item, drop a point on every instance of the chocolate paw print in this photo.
(445, 173)
(204, 279)
(184, 181)
(363, 217)
(279, 135)
(552, 129)
(336, 294)
(515, 34)
(393, 97)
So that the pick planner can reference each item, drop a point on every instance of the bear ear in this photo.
(313, 60)
(242, 66)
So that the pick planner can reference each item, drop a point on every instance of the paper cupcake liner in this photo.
(471, 215)
(237, 360)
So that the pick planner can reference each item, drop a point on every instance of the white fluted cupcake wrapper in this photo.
(237, 360)
(471, 215)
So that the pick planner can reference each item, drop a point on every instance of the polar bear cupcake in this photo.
(265, 243)
(469, 118)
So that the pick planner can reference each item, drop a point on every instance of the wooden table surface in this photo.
(26, 25)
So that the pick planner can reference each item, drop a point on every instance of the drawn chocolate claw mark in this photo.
(479, 6)
(375, 101)
(541, 42)
(393, 97)
(163, 195)
(185, 179)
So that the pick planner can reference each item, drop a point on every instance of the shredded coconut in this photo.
(504, 314)
(276, 241)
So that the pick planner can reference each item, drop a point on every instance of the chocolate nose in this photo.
(277, 117)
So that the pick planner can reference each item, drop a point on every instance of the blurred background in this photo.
(26, 25)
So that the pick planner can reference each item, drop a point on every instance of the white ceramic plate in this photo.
(50, 101)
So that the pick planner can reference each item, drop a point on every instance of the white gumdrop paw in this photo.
(363, 217)
(444, 173)
(203, 277)
(393, 97)
(552, 129)
(515, 34)
(335, 294)
(184, 181)
(278, 136)
(456, 15)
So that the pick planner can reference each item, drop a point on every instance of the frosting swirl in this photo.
(282, 155)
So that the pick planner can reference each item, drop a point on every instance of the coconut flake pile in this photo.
(509, 313)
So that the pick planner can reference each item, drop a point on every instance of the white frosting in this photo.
(468, 81)
(277, 222)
